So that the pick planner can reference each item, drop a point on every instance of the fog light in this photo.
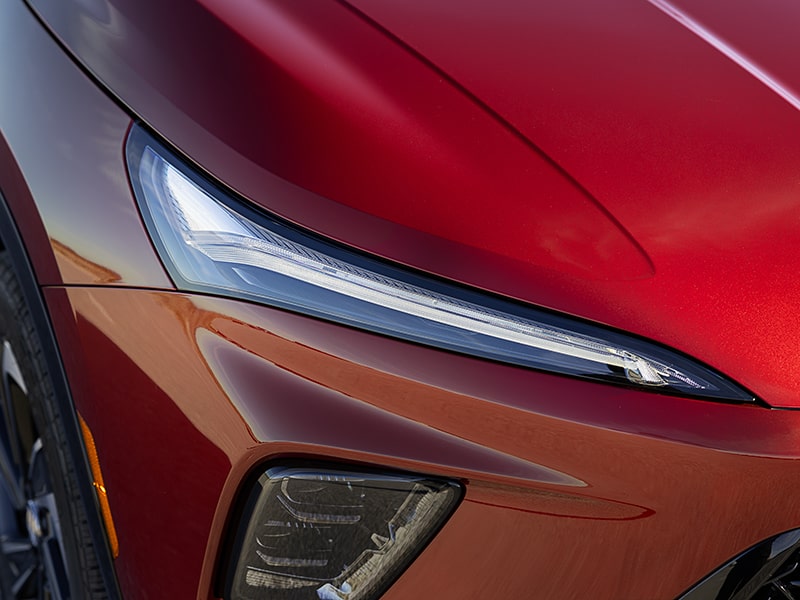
(311, 534)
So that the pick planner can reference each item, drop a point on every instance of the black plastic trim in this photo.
(750, 574)
(13, 243)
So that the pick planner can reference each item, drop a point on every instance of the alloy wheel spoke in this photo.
(12, 388)
(21, 556)
(23, 579)
(15, 546)
(33, 547)
(55, 575)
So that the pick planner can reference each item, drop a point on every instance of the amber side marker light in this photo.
(100, 488)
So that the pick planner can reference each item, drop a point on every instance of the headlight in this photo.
(324, 534)
(212, 242)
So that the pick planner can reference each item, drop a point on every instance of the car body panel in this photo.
(570, 485)
(682, 120)
(424, 145)
(344, 105)
(65, 161)
(574, 489)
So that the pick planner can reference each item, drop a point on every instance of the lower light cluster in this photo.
(326, 534)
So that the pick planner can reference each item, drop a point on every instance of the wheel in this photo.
(45, 549)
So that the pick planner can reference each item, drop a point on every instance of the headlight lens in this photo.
(211, 242)
(323, 534)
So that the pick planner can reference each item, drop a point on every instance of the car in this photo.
(360, 299)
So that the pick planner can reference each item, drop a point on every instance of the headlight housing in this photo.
(212, 242)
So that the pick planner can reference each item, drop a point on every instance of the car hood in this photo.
(632, 162)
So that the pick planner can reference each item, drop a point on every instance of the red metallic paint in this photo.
(572, 486)
(63, 171)
(682, 142)
(421, 169)
(472, 152)
(582, 483)
(463, 163)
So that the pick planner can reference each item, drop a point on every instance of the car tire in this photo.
(46, 549)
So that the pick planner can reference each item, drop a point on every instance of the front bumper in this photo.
(573, 489)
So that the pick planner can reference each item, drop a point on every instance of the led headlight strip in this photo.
(211, 242)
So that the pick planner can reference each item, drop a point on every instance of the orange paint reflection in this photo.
(75, 267)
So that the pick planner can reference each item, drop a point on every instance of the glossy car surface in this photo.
(630, 163)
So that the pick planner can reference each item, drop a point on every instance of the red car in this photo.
(347, 300)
